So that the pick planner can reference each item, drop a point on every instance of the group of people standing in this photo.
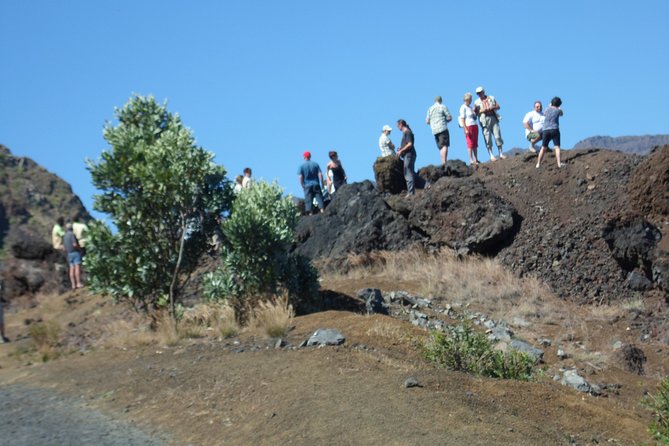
(243, 181)
(539, 127)
(72, 240)
(313, 183)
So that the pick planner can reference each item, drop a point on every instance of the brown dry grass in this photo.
(211, 318)
(272, 317)
(469, 282)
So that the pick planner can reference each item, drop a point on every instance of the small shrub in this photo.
(213, 317)
(659, 405)
(46, 335)
(273, 317)
(463, 348)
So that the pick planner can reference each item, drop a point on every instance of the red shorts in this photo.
(472, 137)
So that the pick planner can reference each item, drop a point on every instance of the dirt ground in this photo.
(243, 390)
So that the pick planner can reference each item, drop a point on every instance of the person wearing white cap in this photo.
(385, 144)
(486, 108)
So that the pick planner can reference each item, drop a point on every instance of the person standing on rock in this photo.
(335, 174)
(467, 120)
(533, 123)
(551, 130)
(486, 108)
(385, 144)
(407, 152)
(57, 234)
(311, 179)
(247, 181)
(438, 118)
(73, 256)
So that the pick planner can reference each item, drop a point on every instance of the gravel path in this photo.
(32, 416)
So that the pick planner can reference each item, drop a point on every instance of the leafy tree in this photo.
(256, 259)
(164, 195)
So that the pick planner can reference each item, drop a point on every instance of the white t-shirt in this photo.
(468, 114)
(535, 119)
(385, 145)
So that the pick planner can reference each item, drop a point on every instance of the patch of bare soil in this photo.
(243, 390)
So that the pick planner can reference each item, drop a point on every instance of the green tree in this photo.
(256, 258)
(164, 195)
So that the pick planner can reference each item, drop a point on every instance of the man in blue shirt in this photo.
(311, 179)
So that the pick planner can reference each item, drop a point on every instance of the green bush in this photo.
(256, 258)
(659, 405)
(463, 348)
(164, 196)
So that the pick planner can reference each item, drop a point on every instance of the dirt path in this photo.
(33, 416)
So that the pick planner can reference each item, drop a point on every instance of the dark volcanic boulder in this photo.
(632, 242)
(389, 175)
(357, 220)
(432, 173)
(30, 247)
(464, 215)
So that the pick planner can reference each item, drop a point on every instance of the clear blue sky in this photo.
(259, 82)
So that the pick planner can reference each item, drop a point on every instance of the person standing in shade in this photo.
(3, 338)
(335, 174)
(311, 179)
(551, 130)
(407, 152)
(438, 118)
(467, 120)
(247, 181)
(533, 123)
(385, 144)
(486, 108)
(73, 256)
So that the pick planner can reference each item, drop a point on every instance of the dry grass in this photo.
(46, 336)
(212, 318)
(140, 330)
(272, 317)
(473, 281)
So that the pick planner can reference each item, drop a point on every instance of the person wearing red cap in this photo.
(311, 179)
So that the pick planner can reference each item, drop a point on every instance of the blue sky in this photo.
(259, 82)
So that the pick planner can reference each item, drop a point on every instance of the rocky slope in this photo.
(594, 230)
(31, 199)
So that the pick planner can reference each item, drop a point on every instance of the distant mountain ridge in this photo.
(639, 145)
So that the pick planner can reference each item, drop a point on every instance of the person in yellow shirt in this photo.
(57, 234)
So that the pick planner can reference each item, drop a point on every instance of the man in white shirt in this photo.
(247, 181)
(385, 144)
(533, 123)
(437, 118)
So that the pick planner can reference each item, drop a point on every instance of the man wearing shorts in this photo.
(438, 118)
(551, 130)
(533, 123)
(73, 256)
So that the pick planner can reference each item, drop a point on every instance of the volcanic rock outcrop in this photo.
(31, 199)
(595, 230)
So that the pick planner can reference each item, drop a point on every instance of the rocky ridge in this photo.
(595, 230)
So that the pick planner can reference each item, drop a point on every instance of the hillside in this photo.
(639, 145)
(571, 261)
(31, 199)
